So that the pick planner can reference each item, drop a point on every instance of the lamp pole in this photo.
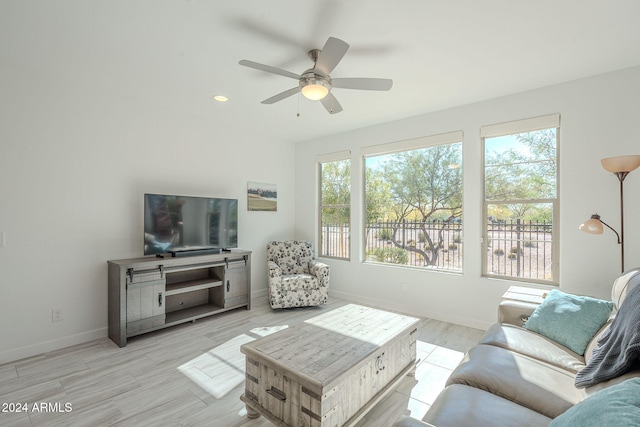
(621, 176)
(620, 166)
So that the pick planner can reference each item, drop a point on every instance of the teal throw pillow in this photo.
(617, 405)
(568, 319)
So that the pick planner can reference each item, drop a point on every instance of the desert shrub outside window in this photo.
(520, 238)
(413, 203)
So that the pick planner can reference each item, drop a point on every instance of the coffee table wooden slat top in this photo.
(322, 349)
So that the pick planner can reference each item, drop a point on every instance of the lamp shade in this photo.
(621, 163)
(593, 225)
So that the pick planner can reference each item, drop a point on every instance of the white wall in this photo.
(599, 118)
(75, 161)
(77, 156)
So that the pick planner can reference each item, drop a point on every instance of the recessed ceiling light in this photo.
(221, 98)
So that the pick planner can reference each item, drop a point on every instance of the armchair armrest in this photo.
(321, 271)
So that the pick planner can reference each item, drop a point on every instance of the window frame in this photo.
(453, 137)
(331, 158)
(513, 128)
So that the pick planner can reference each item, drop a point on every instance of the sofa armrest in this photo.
(515, 312)
(321, 271)
(406, 421)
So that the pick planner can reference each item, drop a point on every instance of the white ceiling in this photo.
(439, 53)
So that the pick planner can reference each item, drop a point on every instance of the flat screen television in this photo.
(180, 224)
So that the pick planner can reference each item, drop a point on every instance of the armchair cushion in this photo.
(292, 282)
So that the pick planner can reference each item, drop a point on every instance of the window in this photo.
(335, 205)
(413, 203)
(521, 200)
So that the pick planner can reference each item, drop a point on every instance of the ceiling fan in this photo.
(316, 83)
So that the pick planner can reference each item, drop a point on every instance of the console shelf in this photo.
(192, 285)
(150, 293)
(192, 313)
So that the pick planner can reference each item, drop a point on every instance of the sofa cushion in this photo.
(537, 385)
(460, 406)
(571, 320)
(534, 345)
(618, 405)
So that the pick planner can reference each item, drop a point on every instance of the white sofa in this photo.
(516, 377)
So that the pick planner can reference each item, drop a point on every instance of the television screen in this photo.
(183, 223)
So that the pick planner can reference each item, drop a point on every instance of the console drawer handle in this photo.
(277, 393)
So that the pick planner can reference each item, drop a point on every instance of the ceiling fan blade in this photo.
(281, 96)
(276, 34)
(362, 83)
(331, 104)
(332, 52)
(269, 69)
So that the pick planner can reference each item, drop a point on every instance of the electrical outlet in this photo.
(403, 287)
(56, 315)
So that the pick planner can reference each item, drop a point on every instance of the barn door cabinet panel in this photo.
(150, 293)
(235, 279)
(145, 302)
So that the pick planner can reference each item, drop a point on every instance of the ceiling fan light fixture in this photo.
(314, 88)
(315, 92)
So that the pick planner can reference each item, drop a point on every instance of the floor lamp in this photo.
(620, 166)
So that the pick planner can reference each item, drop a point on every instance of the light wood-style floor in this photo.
(192, 375)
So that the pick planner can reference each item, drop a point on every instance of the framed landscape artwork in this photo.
(262, 197)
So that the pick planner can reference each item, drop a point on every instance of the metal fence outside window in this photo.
(446, 255)
(334, 240)
(519, 248)
(515, 248)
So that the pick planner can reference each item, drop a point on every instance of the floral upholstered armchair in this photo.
(296, 279)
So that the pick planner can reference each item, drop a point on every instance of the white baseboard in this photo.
(80, 338)
(441, 316)
(260, 293)
(52, 345)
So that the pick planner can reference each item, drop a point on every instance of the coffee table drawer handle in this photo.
(277, 393)
(380, 363)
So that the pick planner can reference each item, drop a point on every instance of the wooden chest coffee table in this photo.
(329, 370)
